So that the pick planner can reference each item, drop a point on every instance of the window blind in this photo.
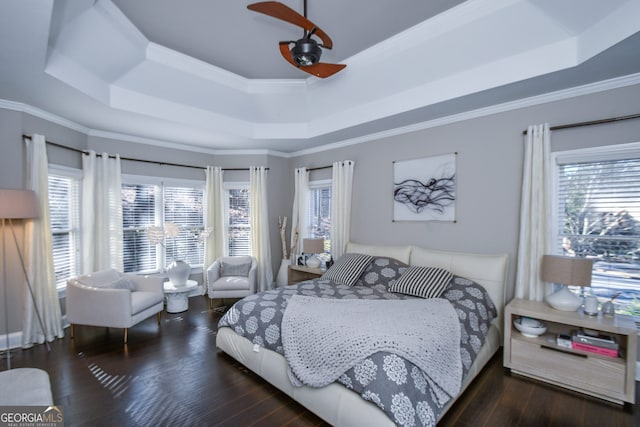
(183, 206)
(599, 218)
(599, 208)
(319, 214)
(139, 211)
(238, 225)
(64, 216)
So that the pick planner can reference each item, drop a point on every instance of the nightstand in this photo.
(300, 273)
(609, 378)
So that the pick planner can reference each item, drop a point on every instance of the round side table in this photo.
(178, 296)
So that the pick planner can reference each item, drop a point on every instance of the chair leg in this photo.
(159, 317)
(71, 331)
(126, 334)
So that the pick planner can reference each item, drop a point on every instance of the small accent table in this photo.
(178, 296)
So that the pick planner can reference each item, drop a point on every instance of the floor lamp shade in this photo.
(567, 271)
(18, 204)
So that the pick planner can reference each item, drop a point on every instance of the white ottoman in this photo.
(25, 387)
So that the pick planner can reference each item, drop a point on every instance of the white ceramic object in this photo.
(529, 327)
(282, 277)
(313, 262)
(179, 273)
(564, 300)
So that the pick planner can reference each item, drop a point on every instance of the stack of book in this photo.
(595, 342)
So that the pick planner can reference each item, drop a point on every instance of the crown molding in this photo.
(591, 88)
(42, 114)
(560, 95)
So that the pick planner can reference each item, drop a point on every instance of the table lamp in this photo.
(566, 271)
(313, 247)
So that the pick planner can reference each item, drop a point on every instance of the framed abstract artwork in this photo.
(425, 189)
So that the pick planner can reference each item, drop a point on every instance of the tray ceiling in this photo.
(207, 75)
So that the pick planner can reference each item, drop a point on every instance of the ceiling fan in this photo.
(305, 53)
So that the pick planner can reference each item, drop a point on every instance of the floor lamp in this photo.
(16, 204)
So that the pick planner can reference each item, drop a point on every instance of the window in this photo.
(237, 219)
(152, 202)
(319, 214)
(140, 210)
(183, 206)
(64, 215)
(598, 217)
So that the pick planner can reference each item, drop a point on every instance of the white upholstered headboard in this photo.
(488, 270)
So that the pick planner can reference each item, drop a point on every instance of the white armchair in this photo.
(232, 277)
(113, 299)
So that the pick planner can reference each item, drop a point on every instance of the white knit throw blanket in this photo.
(323, 338)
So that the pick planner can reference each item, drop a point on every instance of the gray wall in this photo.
(489, 168)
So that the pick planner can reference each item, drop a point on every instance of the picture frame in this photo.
(424, 189)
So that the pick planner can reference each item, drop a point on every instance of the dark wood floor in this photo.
(174, 376)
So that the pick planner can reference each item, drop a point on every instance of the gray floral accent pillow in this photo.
(381, 271)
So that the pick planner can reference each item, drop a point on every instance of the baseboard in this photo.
(15, 340)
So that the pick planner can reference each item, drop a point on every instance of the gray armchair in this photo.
(113, 299)
(232, 277)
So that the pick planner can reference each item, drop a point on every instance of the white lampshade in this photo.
(18, 204)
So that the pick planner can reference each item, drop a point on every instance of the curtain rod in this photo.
(319, 168)
(77, 150)
(324, 167)
(592, 122)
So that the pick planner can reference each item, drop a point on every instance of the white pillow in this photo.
(122, 283)
(100, 279)
(233, 269)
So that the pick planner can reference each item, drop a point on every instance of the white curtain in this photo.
(259, 219)
(101, 212)
(341, 188)
(535, 213)
(38, 255)
(299, 221)
(214, 215)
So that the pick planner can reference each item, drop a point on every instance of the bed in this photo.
(339, 403)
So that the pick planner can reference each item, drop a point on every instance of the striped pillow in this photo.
(425, 282)
(348, 268)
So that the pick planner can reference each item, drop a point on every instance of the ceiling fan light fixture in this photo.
(306, 52)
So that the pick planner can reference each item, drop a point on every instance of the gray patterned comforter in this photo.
(395, 385)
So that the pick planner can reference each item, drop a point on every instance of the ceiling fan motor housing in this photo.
(306, 52)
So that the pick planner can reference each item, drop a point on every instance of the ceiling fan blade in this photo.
(281, 11)
(321, 69)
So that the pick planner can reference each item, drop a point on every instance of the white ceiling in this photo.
(208, 75)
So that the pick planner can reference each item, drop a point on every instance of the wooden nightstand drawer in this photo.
(601, 374)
